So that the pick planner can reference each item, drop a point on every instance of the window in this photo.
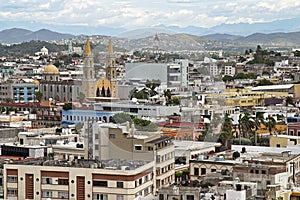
(189, 197)
(46, 193)
(161, 197)
(96, 136)
(46, 180)
(12, 192)
(100, 197)
(196, 171)
(203, 171)
(120, 197)
(146, 191)
(112, 136)
(96, 147)
(138, 147)
(291, 132)
(12, 179)
(213, 170)
(63, 181)
(100, 183)
(63, 195)
(120, 184)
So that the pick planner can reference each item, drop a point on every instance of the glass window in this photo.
(12, 179)
(120, 197)
(63, 195)
(12, 192)
(138, 147)
(120, 184)
(100, 183)
(46, 193)
(196, 171)
(63, 181)
(46, 180)
(112, 136)
(100, 197)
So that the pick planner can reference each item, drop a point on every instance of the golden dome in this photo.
(51, 69)
(36, 82)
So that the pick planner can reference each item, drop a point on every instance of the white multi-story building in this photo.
(78, 179)
(229, 70)
(213, 69)
(178, 74)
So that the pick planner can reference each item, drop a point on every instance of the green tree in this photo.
(39, 96)
(152, 85)
(226, 132)
(247, 125)
(144, 125)
(167, 94)
(227, 78)
(9, 100)
(120, 118)
(258, 120)
(68, 106)
(270, 123)
(289, 101)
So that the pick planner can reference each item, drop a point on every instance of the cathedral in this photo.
(54, 85)
(105, 86)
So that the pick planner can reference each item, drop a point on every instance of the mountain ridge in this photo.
(19, 35)
(244, 29)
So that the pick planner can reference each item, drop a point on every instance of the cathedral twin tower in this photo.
(104, 87)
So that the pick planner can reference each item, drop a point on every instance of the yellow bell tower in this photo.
(111, 69)
(88, 82)
(107, 86)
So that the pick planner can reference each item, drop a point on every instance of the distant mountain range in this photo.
(244, 29)
(144, 38)
(17, 35)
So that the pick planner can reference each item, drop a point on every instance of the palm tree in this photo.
(246, 124)
(226, 133)
(270, 123)
(258, 120)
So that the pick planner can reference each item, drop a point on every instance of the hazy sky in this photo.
(132, 14)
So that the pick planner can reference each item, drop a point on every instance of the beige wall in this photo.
(129, 190)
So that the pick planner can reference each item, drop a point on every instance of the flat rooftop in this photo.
(112, 164)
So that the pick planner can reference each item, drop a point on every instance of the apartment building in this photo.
(78, 179)
(111, 141)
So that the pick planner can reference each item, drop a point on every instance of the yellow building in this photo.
(244, 97)
(284, 140)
